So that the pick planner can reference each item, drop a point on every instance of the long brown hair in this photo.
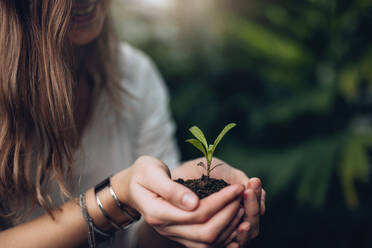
(37, 124)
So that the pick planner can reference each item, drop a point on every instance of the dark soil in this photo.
(203, 186)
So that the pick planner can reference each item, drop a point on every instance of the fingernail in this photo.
(189, 200)
(256, 184)
(246, 227)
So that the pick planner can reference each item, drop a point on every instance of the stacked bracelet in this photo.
(122, 208)
(88, 221)
(107, 183)
(92, 228)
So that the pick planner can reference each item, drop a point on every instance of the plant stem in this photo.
(214, 167)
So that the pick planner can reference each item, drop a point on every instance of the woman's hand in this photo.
(254, 197)
(175, 211)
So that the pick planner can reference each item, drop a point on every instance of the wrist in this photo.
(120, 183)
(95, 213)
(106, 207)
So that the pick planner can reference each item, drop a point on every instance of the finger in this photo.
(206, 232)
(233, 245)
(212, 204)
(244, 234)
(157, 210)
(227, 233)
(251, 205)
(221, 220)
(256, 185)
(263, 202)
(230, 239)
(158, 181)
(244, 227)
(242, 177)
(235, 177)
(189, 243)
(250, 228)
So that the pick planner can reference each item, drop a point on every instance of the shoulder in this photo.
(135, 68)
(139, 75)
(131, 59)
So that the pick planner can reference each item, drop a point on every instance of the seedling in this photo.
(201, 144)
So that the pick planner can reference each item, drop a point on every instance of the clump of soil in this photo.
(203, 186)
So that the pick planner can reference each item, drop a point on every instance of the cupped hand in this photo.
(254, 196)
(175, 211)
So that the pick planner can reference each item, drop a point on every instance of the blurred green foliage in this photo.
(297, 78)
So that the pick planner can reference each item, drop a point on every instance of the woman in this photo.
(76, 107)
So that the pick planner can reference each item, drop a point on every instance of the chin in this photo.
(86, 28)
(84, 37)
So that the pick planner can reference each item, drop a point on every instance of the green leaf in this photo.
(316, 171)
(199, 135)
(354, 166)
(198, 145)
(265, 43)
(220, 136)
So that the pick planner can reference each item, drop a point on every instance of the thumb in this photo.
(178, 195)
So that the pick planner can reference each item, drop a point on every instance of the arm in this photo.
(146, 186)
(68, 223)
(68, 229)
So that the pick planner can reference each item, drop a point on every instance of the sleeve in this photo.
(156, 127)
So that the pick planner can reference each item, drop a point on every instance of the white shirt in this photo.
(111, 143)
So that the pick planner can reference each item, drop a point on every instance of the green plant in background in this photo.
(202, 145)
(296, 76)
(299, 71)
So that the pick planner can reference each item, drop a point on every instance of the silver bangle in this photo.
(106, 183)
(88, 221)
(92, 228)
(132, 219)
(108, 218)
(121, 206)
